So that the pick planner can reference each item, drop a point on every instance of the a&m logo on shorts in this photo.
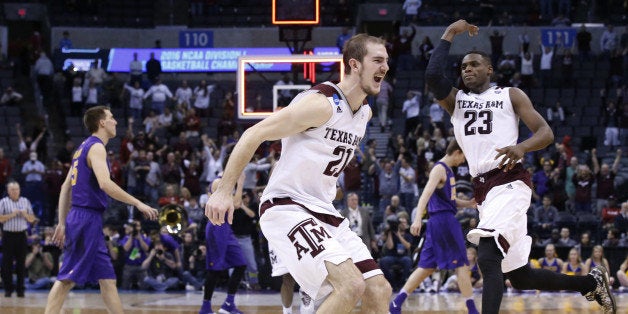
(307, 237)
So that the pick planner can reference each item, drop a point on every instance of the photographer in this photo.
(39, 266)
(111, 240)
(195, 276)
(161, 268)
(397, 248)
(136, 246)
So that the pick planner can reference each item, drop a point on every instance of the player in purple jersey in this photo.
(223, 253)
(79, 231)
(444, 244)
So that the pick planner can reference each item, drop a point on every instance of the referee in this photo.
(15, 213)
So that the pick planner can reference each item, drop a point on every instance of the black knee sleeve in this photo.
(234, 280)
(522, 278)
(490, 263)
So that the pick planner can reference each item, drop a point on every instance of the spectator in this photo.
(622, 275)
(621, 221)
(411, 107)
(610, 120)
(527, 70)
(573, 266)
(136, 69)
(608, 41)
(556, 116)
(136, 96)
(476, 277)
(561, 21)
(411, 8)
(570, 187)
(383, 101)
(202, 98)
(195, 275)
(65, 42)
(169, 197)
(161, 269)
(153, 68)
(95, 75)
(550, 261)
(545, 217)
(584, 38)
(396, 252)
(425, 51)
(605, 177)
(192, 124)
(153, 179)
(160, 94)
(10, 97)
(613, 239)
(53, 179)
(541, 178)
(76, 105)
(91, 95)
(553, 238)
(183, 95)
(547, 59)
(44, 70)
(565, 240)
(33, 172)
(437, 114)
(39, 265)
(585, 241)
(597, 258)
(15, 215)
(610, 213)
(497, 46)
(407, 185)
(5, 168)
(402, 49)
(360, 221)
(244, 228)
(342, 38)
(583, 180)
(567, 68)
(387, 178)
(136, 247)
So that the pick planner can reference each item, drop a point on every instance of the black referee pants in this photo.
(14, 248)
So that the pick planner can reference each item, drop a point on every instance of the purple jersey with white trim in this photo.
(444, 199)
(86, 192)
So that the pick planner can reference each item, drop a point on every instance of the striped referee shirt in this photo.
(17, 223)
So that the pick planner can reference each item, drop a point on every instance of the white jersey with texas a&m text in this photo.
(482, 123)
(312, 160)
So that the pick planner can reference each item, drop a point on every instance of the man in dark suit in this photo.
(621, 221)
(360, 221)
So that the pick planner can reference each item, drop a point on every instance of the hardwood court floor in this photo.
(81, 302)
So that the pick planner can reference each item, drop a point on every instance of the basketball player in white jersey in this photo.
(486, 123)
(320, 131)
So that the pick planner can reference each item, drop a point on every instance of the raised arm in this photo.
(310, 111)
(437, 82)
(615, 166)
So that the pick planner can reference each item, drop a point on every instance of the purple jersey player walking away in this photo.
(223, 252)
(82, 201)
(444, 244)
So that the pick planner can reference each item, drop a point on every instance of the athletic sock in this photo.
(287, 310)
(206, 307)
(401, 297)
(471, 309)
(230, 298)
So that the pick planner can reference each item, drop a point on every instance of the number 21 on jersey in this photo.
(343, 154)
